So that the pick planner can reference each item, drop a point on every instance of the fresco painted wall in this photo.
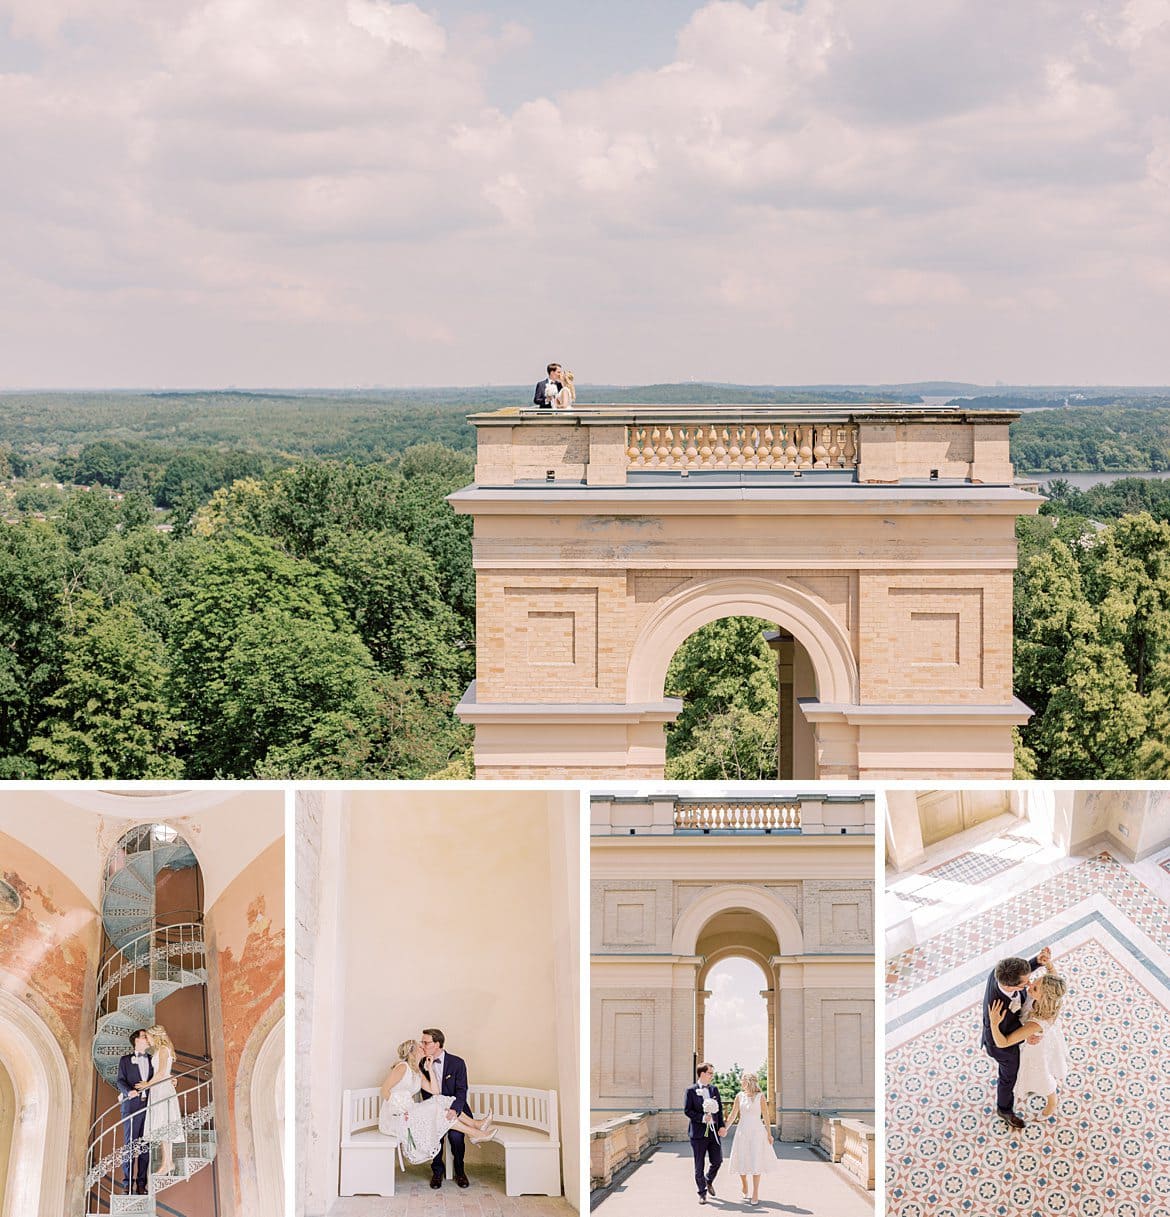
(246, 926)
(48, 952)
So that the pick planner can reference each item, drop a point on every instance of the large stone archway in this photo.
(668, 906)
(881, 541)
(43, 1098)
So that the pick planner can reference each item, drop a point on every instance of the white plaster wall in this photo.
(450, 919)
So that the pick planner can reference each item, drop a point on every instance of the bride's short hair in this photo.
(1051, 997)
(406, 1048)
(749, 1084)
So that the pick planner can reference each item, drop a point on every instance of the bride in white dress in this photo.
(164, 1118)
(1043, 1064)
(568, 392)
(751, 1151)
(419, 1127)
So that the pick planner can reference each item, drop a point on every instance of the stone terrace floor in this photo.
(484, 1198)
(804, 1186)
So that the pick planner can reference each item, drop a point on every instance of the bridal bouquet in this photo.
(710, 1105)
(400, 1103)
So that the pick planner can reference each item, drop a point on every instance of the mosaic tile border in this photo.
(1101, 875)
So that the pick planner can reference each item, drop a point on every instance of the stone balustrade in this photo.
(737, 815)
(715, 445)
(618, 1143)
(616, 445)
(852, 1143)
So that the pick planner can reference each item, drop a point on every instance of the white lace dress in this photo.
(752, 1152)
(418, 1126)
(1043, 1066)
(164, 1119)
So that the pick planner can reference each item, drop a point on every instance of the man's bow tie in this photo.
(1016, 1003)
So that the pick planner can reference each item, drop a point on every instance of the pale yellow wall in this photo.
(1137, 822)
(7, 1123)
(450, 922)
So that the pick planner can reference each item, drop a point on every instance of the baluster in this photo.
(707, 446)
(721, 447)
(850, 446)
(790, 449)
(766, 455)
(834, 447)
(660, 449)
(692, 451)
(819, 452)
(752, 446)
(803, 438)
(633, 451)
(735, 451)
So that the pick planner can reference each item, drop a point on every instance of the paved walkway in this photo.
(414, 1197)
(805, 1186)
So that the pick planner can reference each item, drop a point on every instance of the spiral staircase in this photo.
(150, 956)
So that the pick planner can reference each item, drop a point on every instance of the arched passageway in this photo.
(37, 1083)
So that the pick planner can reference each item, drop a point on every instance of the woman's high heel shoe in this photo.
(487, 1121)
(490, 1135)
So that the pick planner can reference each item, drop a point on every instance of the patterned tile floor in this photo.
(971, 868)
(960, 943)
(1107, 1152)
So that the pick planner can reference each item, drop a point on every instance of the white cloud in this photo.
(811, 191)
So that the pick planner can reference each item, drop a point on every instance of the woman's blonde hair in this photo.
(749, 1084)
(1050, 998)
(406, 1048)
(158, 1035)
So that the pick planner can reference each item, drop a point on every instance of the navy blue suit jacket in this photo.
(538, 395)
(1011, 1020)
(128, 1078)
(693, 1110)
(454, 1083)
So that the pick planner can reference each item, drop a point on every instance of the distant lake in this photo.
(1083, 481)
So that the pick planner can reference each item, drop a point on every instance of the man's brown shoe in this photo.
(1010, 1118)
(436, 1181)
(462, 1181)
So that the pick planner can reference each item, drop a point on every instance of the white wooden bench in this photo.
(528, 1130)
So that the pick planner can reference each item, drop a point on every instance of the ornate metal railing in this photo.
(110, 1152)
(737, 815)
(717, 444)
(174, 943)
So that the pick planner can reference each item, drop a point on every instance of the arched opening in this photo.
(734, 1031)
(720, 630)
(153, 970)
(260, 1116)
(36, 1085)
(740, 680)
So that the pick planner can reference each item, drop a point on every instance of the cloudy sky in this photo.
(344, 192)
(735, 1024)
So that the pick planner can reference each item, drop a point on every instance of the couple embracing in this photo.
(1022, 1033)
(149, 1106)
(424, 1099)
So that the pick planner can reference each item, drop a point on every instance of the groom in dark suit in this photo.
(133, 1068)
(548, 388)
(449, 1072)
(706, 1129)
(1006, 984)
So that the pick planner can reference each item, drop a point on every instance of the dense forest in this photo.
(244, 585)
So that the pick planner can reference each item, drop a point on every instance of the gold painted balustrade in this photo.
(720, 445)
(737, 816)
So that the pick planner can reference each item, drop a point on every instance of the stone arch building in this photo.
(878, 540)
(680, 884)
